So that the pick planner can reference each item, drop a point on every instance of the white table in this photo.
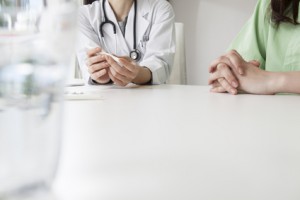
(180, 143)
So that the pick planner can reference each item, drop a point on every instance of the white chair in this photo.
(74, 77)
(178, 74)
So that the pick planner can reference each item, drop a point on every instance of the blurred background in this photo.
(36, 46)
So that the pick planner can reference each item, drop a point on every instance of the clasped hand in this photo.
(102, 68)
(231, 73)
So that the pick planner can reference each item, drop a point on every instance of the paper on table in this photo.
(83, 93)
(82, 96)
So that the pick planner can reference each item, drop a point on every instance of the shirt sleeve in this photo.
(251, 42)
(160, 49)
(87, 38)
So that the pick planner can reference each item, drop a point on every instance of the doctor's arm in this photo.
(157, 61)
(160, 48)
(93, 66)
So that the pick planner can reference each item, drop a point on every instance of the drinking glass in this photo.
(37, 39)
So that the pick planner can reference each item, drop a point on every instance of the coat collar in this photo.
(143, 21)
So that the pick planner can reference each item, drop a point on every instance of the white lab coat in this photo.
(155, 35)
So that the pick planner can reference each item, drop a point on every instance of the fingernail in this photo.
(232, 91)
(234, 84)
(240, 71)
(212, 90)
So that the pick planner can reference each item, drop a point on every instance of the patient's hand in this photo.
(253, 80)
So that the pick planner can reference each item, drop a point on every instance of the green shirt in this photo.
(278, 49)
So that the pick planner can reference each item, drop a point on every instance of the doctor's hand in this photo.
(97, 65)
(127, 71)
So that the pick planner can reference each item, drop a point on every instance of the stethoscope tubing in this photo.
(134, 54)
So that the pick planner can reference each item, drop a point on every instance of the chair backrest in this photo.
(178, 74)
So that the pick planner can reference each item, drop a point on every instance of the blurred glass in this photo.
(36, 45)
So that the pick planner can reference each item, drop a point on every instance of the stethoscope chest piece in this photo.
(135, 55)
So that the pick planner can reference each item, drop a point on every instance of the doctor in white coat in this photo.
(140, 32)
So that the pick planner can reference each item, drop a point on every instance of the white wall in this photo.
(210, 26)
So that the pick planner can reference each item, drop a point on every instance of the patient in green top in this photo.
(266, 55)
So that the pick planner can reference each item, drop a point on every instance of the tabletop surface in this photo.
(179, 142)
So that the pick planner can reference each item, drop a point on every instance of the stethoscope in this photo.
(135, 54)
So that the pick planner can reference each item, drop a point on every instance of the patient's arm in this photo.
(286, 82)
(254, 80)
(257, 81)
